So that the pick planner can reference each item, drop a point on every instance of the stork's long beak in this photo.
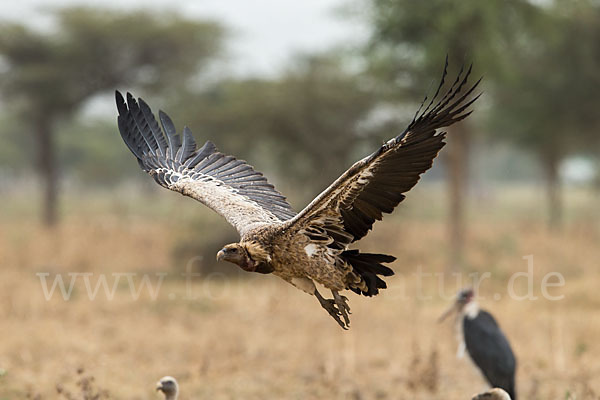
(220, 255)
(448, 312)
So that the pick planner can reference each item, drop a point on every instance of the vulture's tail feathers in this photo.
(368, 266)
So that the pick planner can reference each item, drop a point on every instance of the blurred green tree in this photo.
(407, 48)
(549, 102)
(47, 75)
(304, 127)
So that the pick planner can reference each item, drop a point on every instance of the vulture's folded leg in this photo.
(331, 306)
(304, 284)
(342, 305)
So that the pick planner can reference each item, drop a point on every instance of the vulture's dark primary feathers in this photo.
(313, 244)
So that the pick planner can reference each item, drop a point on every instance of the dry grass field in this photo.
(255, 337)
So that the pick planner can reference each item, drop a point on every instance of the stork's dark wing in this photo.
(347, 209)
(227, 185)
(490, 351)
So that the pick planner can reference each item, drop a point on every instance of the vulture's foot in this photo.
(342, 305)
(333, 309)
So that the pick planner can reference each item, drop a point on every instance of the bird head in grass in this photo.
(168, 385)
(494, 394)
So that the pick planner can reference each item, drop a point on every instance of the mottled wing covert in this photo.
(377, 183)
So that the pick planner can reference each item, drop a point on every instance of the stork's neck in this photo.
(470, 310)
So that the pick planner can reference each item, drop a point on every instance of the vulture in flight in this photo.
(312, 245)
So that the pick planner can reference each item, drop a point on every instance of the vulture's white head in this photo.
(168, 385)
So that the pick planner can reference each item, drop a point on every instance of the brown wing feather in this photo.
(229, 186)
(377, 183)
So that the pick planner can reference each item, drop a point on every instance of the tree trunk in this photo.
(47, 169)
(553, 192)
(458, 166)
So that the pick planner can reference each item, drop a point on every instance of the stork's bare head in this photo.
(463, 298)
(168, 385)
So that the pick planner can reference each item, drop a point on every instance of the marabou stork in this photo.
(485, 342)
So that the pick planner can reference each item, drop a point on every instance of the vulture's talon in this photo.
(342, 305)
(335, 313)
(333, 308)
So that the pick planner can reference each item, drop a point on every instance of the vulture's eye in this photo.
(233, 250)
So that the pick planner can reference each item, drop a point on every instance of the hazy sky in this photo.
(265, 32)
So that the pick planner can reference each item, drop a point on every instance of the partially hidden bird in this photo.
(169, 387)
(312, 245)
(494, 394)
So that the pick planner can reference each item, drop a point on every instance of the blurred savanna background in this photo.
(110, 282)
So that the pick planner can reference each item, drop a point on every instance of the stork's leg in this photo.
(331, 306)
(342, 305)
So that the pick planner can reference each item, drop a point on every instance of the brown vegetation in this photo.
(256, 338)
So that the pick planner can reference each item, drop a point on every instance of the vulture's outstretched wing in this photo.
(347, 209)
(229, 186)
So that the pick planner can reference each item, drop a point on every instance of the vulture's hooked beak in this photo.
(220, 255)
(450, 310)
(158, 386)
